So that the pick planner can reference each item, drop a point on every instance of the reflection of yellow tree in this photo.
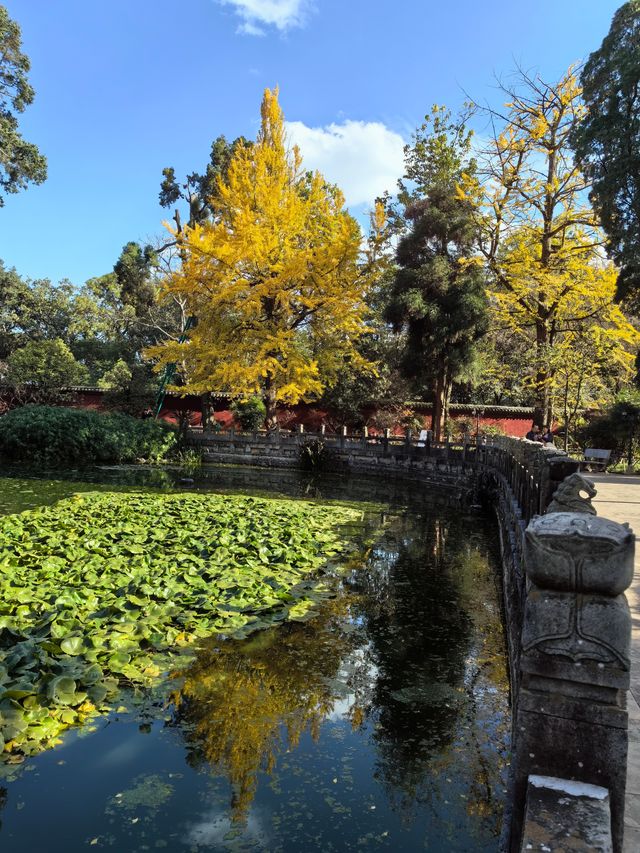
(242, 703)
(479, 596)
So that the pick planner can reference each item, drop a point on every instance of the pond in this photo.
(380, 724)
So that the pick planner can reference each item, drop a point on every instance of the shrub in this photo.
(250, 413)
(491, 430)
(59, 435)
(413, 422)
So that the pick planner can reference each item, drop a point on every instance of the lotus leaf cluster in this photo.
(101, 590)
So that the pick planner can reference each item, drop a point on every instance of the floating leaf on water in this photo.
(72, 645)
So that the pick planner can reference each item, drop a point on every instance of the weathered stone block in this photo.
(571, 719)
(577, 553)
(577, 627)
(565, 817)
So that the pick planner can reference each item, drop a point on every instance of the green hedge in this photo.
(53, 435)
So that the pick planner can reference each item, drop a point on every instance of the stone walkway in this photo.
(618, 498)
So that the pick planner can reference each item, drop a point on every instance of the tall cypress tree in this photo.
(438, 295)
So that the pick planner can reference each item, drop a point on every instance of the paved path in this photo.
(618, 498)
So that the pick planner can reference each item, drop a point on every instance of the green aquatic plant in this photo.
(101, 591)
(314, 455)
(189, 460)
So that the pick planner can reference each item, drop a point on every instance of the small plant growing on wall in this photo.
(314, 455)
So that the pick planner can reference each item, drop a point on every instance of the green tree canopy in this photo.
(607, 141)
(438, 296)
(33, 310)
(199, 189)
(20, 162)
(45, 364)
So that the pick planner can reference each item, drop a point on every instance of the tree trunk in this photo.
(439, 407)
(566, 416)
(541, 403)
(271, 418)
(446, 400)
(206, 411)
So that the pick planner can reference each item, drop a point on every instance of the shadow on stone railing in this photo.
(570, 723)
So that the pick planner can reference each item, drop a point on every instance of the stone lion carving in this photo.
(570, 495)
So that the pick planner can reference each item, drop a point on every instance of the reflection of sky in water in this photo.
(215, 829)
(381, 724)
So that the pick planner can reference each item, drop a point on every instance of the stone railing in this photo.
(530, 471)
(447, 464)
(570, 717)
(568, 628)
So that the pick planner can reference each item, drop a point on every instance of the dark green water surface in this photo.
(382, 724)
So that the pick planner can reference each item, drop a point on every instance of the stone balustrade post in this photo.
(408, 443)
(570, 705)
(273, 436)
(323, 429)
(556, 467)
(343, 435)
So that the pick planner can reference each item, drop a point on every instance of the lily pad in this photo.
(112, 586)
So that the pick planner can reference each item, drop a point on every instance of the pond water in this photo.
(382, 724)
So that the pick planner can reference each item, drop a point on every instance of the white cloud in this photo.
(363, 158)
(249, 29)
(281, 14)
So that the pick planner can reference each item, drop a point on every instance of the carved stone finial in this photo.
(578, 567)
(570, 495)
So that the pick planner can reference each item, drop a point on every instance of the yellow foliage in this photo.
(274, 280)
(550, 282)
(573, 296)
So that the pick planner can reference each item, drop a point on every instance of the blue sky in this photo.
(127, 87)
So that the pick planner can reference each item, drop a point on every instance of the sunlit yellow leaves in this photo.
(275, 280)
(572, 295)
(550, 282)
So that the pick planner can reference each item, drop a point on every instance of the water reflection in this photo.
(35, 486)
(244, 703)
(3, 801)
(410, 652)
(383, 722)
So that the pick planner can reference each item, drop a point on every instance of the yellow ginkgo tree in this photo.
(276, 280)
(587, 344)
(540, 239)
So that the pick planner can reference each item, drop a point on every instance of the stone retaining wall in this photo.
(448, 466)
